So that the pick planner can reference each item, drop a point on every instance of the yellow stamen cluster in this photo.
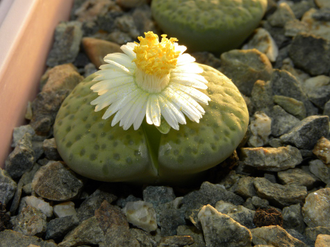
(156, 58)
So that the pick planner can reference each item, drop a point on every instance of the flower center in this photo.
(154, 61)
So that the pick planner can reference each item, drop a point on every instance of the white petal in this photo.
(189, 81)
(185, 103)
(113, 108)
(112, 96)
(188, 68)
(121, 61)
(120, 58)
(125, 107)
(180, 48)
(194, 93)
(134, 111)
(153, 113)
(128, 49)
(171, 114)
(185, 58)
(108, 84)
(139, 118)
(109, 74)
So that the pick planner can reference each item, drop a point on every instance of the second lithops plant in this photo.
(209, 25)
(151, 114)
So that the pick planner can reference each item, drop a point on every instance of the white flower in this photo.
(153, 79)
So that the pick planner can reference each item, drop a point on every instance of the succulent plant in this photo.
(93, 144)
(209, 25)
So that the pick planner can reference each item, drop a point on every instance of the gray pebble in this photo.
(7, 187)
(306, 134)
(21, 159)
(66, 43)
(280, 195)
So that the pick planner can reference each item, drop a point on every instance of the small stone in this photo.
(278, 34)
(291, 105)
(50, 149)
(245, 67)
(326, 110)
(258, 202)
(185, 230)
(272, 235)
(267, 217)
(261, 96)
(143, 19)
(282, 122)
(263, 42)
(285, 84)
(21, 159)
(20, 131)
(121, 202)
(320, 170)
(65, 209)
(115, 226)
(5, 219)
(221, 230)
(37, 147)
(245, 187)
(280, 195)
(292, 218)
(89, 10)
(126, 24)
(141, 214)
(271, 159)
(87, 232)
(55, 182)
(157, 195)
(119, 37)
(106, 22)
(7, 187)
(208, 194)
(239, 213)
(294, 27)
(318, 90)
(316, 210)
(13, 238)
(322, 3)
(322, 240)
(306, 134)
(37, 203)
(57, 228)
(44, 109)
(170, 216)
(296, 176)
(313, 232)
(92, 203)
(144, 238)
(176, 241)
(64, 76)
(97, 49)
(30, 221)
(322, 150)
(318, 27)
(300, 7)
(322, 14)
(311, 54)
(66, 43)
(260, 128)
(282, 15)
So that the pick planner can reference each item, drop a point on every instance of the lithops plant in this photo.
(150, 115)
(209, 25)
